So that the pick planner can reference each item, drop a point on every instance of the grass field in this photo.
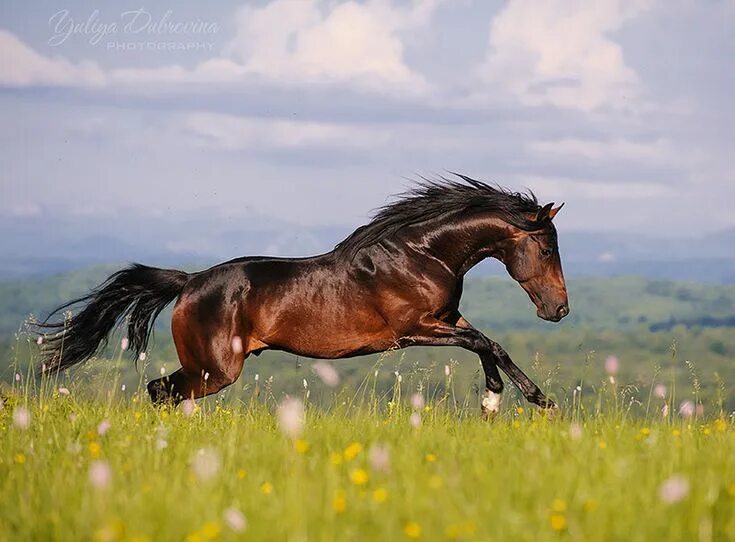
(75, 466)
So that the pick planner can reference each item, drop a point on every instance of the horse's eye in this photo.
(546, 251)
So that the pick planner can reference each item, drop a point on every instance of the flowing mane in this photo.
(430, 199)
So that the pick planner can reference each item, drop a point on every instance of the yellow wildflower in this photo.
(430, 458)
(720, 425)
(645, 431)
(359, 477)
(301, 446)
(339, 503)
(94, 449)
(558, 522)
(20, 458)
(266, 488)
(241, 474)
(516, 424)
(519, 410)
(412, 529)
(380, 495)
(211, 530)
(676, 433)
(352, 451)
(602, 445)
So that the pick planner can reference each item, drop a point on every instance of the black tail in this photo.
(138, 292)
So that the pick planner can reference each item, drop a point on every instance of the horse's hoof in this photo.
(490, 405)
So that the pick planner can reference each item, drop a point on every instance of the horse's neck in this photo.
(463, 243)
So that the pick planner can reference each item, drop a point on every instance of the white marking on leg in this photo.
(491, 402)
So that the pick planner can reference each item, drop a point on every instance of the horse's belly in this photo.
(327, 334)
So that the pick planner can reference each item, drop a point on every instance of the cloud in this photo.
(349, 42)
(288, 43)
(231, 133)
(570, 189)
(611, 149)
(560, 53)
(21, 66)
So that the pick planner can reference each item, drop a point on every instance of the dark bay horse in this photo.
(393, 283)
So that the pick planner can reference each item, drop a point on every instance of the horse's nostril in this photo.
(562, 311)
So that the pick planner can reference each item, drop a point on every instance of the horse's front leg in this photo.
(433, 332)
(455, 330)
(529, 389)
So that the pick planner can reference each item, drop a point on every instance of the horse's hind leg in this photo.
(183, 384)
(175, 387)
(210, 351)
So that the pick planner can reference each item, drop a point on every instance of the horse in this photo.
(393, 283)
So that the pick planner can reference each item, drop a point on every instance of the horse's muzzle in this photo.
(560, 312)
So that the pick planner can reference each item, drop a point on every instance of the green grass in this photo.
(589, 474)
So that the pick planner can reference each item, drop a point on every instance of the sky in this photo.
(314, 112)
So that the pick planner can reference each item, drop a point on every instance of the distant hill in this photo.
(40, 246)
(491, 303)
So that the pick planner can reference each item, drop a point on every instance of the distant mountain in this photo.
(43, 245)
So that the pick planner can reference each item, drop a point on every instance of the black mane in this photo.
(430, 199)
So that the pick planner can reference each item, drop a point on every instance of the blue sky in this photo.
(313, 112)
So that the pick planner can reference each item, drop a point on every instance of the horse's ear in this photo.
(552, 212)
(543, 213)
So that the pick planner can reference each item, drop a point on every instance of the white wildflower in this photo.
(291, 417)
(100, 474)
(379, 458)
(103, 427)
(188, 407)
(326, 373)
(612, 365)
(686, 409)
(205, 463)
(21, 418)
(235, 519)
(674, 489)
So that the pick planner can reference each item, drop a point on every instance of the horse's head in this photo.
(532, 259)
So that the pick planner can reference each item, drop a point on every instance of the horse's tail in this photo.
(138, 292)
